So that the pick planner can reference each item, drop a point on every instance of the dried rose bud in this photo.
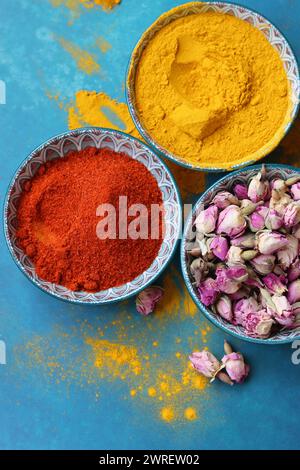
(206, 220)
(225, 283)
(238, 273)
(279, 185)
(283, 314)
(263, 264)
(208, 291)
(199, 269)
(279, 201)
(287, 255)
(242, 308)
(256, 222)
(235, 367)
(258, 189)
(224, 199)
(205, 363)
(219, 247)
(269, 242)
(241, 191)
(273, 284)
(234, 256)
(224, 307)
(245, 241)
(231, 222)
(273, 220)
(147, 299)
(294, 291)
(294, 271)
(259, 324)
(292, 215)
(295, 190)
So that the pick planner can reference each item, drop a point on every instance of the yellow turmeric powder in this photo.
(212, 90)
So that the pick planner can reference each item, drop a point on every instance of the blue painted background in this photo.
(35, 411)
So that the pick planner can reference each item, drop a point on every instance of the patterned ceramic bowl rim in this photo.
(236, 176)
(102, 138)
(273, 34)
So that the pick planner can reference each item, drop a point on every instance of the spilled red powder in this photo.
(57, 219)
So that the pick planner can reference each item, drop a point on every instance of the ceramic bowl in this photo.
(58, 147)
(226, 184)
(273, 35)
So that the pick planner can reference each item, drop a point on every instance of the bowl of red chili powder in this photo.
(92, 216)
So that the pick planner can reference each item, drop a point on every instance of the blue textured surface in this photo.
(37, 410)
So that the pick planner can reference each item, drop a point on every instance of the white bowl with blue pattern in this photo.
(226, 184)
(273, 35)
(78, 139)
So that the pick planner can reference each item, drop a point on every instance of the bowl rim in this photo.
(163, 152)
(183, 264)
(28, 158)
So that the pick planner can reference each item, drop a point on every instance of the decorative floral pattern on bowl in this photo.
(226, 184)
(273, 35)
(78, 139)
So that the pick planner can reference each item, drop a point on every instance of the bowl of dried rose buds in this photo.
(240, 253)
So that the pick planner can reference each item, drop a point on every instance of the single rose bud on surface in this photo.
(225, 199)
(225, 283)
(292, 215)
(256, 222)
(245, 241)
(205, 363)
(258, 189)
(219, 247)
(241, 191)
(294, 291)
(274, 284)
(269, 242)
(284, 314)
(288, 254)
(263, 264)
(231, 222)
(295, 190)
(273, 220)
(227, 347)
(236, 367)
(207, 219)
(224, 307)
(208, 291)
(147, 299)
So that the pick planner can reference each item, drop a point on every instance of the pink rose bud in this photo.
(292, 214)
(269, 242)
(296, 231)
(224, 307)
(241, 191)
(245, 241)
(219, 247)
(284, 314)
(147, 299)
(274, 284)
(235, 367)
(294, 271)
(205, 363)
(225, 199)
(206, 220)
(294, 291)
(208, 291)
(273, 220)
(225, 283)
(242, 308)
(256, 222)
(238, 273)
(279, 201)
(231, 222)
(258, 190)
(242, 293)
(295, 190)
(264, 326)
(288, 254)
(278, 185)
(263, 264)
(234, 256)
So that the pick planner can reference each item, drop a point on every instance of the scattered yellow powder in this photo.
(155, 344)
(102, 44)
(75, 5)
(151, 392)
(85, 61)
(133, 393)
(167, 414)
(212, 90)
(190, 414)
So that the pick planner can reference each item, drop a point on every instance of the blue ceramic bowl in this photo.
(78, 139)
(226, 184)
(273, 35)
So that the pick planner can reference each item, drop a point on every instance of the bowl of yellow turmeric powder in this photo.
(213, 86)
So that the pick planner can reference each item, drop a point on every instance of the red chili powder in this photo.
(57, 219)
